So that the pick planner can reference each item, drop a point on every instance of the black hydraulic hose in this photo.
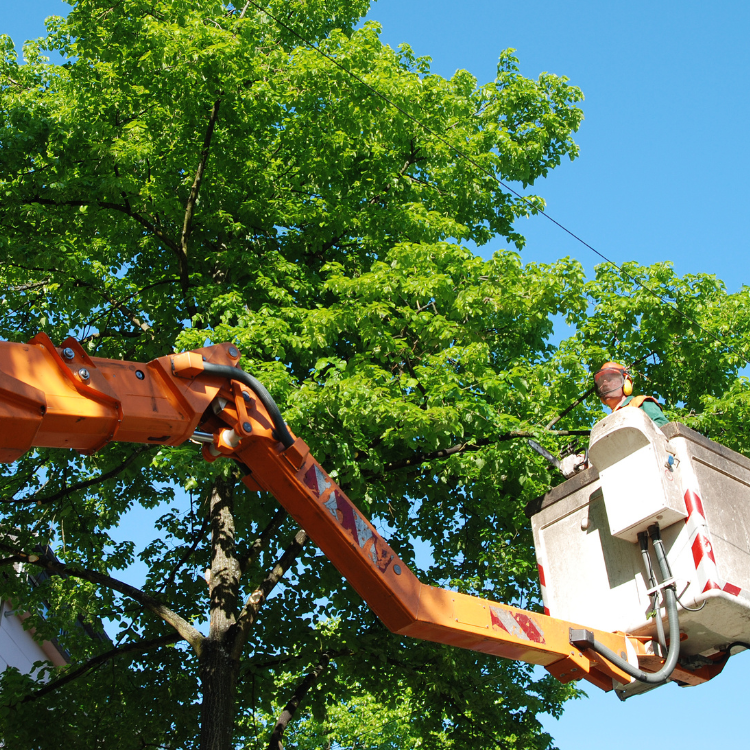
(728, 650)
(643, 541)
(585, 638)
(234, 373)
(661, 556)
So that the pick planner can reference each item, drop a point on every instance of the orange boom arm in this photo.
(62, 398)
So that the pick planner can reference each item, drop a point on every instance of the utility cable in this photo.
(535, 208)
(728, 649)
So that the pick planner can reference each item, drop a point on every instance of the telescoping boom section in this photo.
(60, 397)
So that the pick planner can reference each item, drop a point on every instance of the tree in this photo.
(196, 172)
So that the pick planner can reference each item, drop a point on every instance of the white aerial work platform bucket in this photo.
(585, 532)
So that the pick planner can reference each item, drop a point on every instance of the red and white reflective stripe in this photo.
(517, 624)
(702, 549)
(703, 553)
(694, 504)
(317, 480)
(544, 588)
(728, 588)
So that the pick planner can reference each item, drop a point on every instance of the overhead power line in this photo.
(463, 155)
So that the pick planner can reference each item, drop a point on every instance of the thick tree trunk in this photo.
(218, 673)
(220, 653)
(218, 670)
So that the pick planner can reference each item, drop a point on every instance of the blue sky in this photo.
(662, 175)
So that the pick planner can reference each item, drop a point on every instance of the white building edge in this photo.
(18, 648)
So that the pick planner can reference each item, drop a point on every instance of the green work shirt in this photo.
(652, 410)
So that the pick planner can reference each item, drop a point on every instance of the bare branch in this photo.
(83, 485)
(251, 665)
(11, 560)
(186, 631)
(425, 183)
(108, 333)
(467, 447)
(478, 444)
(257, 599)
(195, 189)
(291, 707)
(570, 408)
(26, 287)
(278, 518)
(129, 648)
(188, 554)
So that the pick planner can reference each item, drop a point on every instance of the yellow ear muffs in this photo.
(627, 387)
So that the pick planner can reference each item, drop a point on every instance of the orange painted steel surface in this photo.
(396, 596)
(45, 400)
(61, 397)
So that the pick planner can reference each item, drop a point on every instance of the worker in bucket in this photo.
(614, 386)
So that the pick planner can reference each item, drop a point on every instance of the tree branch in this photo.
(256, 600)
(419, 458)
(286, 658)
(82, 485)
(26, 287)
(108, 333)
(97, 661)
(419, 384)
(195, 189)
(116, 305)
(11, 560)
(466, 447)
(412, 159)
(191, 550)
(278, 518)
(186, 631)
(291, 708)
(142, 220)
(570, 408)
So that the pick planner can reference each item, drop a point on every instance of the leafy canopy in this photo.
(193, 173)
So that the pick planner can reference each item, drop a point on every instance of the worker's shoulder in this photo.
(649, 405)
(643, 402)
(653, 409)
